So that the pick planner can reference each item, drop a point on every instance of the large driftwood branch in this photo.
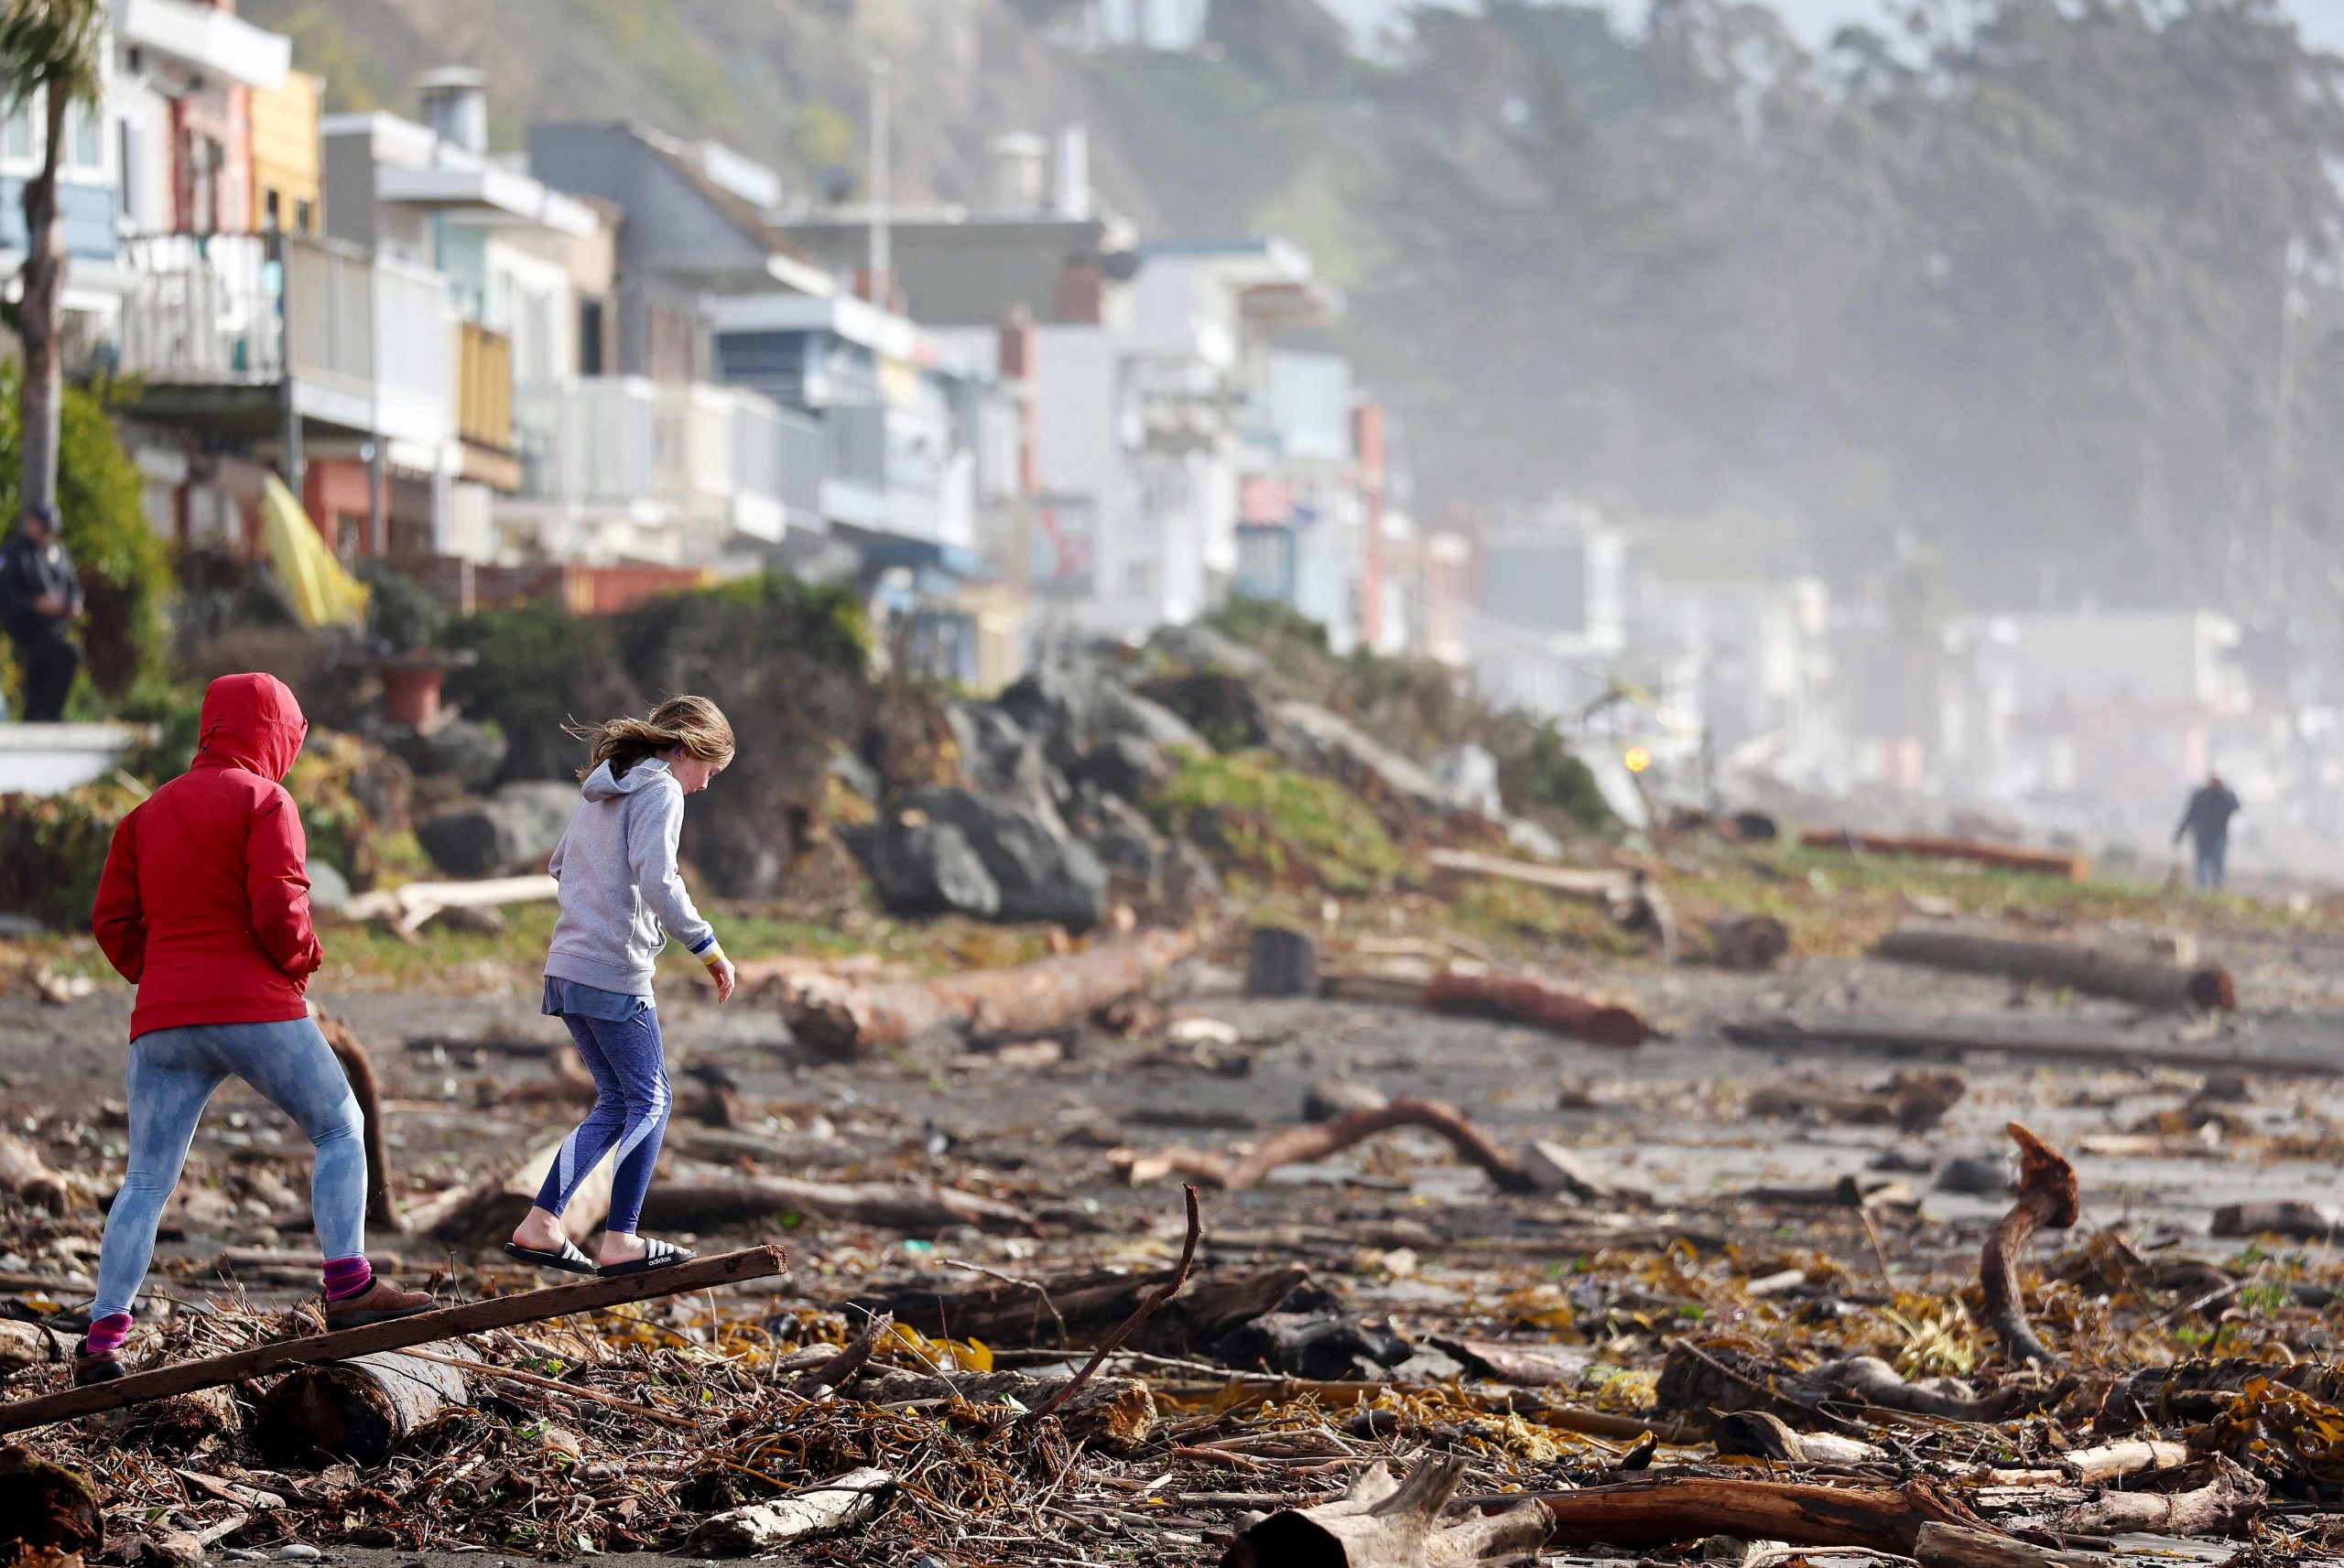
(2046, 1196)
(824, 1508)
(382, 1199)
(1300, 1145)
(1652, 1513)
(2096, 971)
(1147, 1309)
(1011, 1315)
(2231, 1502)
(882, 1206)
(1940, 1046)
(2071, 864)
(1542, 1004)
(844, 1017)
(444, 1323)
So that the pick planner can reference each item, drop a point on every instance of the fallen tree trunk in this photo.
(492, 1206)
(382, 1201)
(1383, 1523)
(2198, 1391)
(1653, 1513)
(2114, 1461)
(1606, 888)
(401, 1333)
(842, 1503)
(1300, 1145)
(1911, 1100)
(1748, 941)
(844, 1017)
(25, 1174)
(406, 907)
(1522, 998)
(360, 1410)
(1958, 1546)
(2072, 864)
(2046, 1195)
(1937, 1046)
(2151, 982)
(2231, 1502)
(1723, 1378)
(1020, 1314)
(707, 1205)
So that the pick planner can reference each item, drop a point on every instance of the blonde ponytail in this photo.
(693, 723)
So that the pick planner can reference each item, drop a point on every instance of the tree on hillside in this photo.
(51, 52)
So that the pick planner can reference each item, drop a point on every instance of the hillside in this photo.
(2017, 286)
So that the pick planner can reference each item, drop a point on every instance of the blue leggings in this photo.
(172, 1073)
(631, 1075)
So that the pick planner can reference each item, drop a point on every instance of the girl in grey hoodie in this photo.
(621, 901)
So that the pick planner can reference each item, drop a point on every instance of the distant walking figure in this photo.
(2207, 820)
(621, 899)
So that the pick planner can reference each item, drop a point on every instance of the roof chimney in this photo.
(1019, 170)
(455, 105)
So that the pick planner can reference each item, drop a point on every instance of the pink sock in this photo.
(347, 1277)
(106, 1334)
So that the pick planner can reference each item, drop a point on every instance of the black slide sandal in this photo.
(569, 1259)
(657, 1254)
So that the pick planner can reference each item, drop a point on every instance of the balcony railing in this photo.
(370, 343)
(485, 386)
(626, 441)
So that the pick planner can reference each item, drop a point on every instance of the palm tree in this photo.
(55, 49)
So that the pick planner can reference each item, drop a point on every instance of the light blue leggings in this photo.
(172, 1073)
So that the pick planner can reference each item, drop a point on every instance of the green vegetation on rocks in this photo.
(1261, 819)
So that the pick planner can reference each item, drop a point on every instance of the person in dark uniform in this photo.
(40, 599)
(2207, 820)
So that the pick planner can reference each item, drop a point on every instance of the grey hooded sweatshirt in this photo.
(621, 895)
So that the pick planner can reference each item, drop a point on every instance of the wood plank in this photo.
(1891, 1040)
(441, 1323)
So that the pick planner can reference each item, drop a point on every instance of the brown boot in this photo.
(103, 1368)
(378, 1302)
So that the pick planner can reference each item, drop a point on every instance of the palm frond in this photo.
(60, 45)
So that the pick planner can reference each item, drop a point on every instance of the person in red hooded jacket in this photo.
(204, 906)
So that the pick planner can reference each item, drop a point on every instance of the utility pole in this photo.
(881, 257)
(2283, 425)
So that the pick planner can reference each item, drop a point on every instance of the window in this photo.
(19, 134)
(589, 337)
(301, 216)
(126, 151)
(83, 126)
(269, 219)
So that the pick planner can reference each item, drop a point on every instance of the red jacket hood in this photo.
(251, 723)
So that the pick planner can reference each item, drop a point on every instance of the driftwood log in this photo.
(401, 1333)
(489, 1208)
(1116, 1414)
(1940, 1046)
(25, 1174)
(361, 1410)
(2046, 1196)
(1748, 941)
(1718, 1376)
(2190, 1392)
(840, 1503)
(2071, 864)
(358, 1066)
(1652, 1513)
(1940, 1545)
(1016, 1315)
(1281, 962)
(1383, 1523)
(2149, 982)
(1301, 1145)
(2229, 1503)
(882, 1206)
(1541, 1004)
(1911, 1100)
(2114, 1461)
(844, 1016)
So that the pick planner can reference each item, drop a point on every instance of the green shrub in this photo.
(1253, 813)
(53, 850)
(1538, 769)
(125, 567)
(539, 666)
